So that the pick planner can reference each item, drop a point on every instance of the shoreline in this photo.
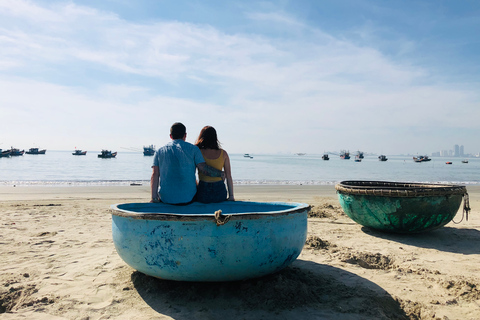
(58, 261)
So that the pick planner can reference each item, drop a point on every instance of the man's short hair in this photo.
(178, 130)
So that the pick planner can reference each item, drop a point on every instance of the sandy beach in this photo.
(58, 261)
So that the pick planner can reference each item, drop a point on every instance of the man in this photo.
(174, 168)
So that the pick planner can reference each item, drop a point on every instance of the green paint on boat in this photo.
(400, 207)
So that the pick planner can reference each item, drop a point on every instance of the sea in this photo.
(62, 168)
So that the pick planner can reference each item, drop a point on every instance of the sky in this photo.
(391, 77)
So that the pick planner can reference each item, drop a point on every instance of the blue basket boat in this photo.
(399, 206)
(209, 242)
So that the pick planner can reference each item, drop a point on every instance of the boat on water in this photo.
(382, 157)
(360, 154)
(325, 156)
(401, 207)
(4, 154)
(448, 162)
(358, 159)
(421, 159)
(36, 151)
(246, 155)
(78, 152)
(106, 154)
(14, 152)
(227, 241)
(149, 150)
(465, 161)
(300, 154)
(345, 155)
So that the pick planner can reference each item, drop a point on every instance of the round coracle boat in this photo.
(227, 241)
(401, 207)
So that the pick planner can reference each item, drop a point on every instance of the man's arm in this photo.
(154, 184)
(210, 171)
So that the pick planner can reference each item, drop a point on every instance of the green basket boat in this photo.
(399, 206)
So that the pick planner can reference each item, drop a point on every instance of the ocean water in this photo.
(62, 168)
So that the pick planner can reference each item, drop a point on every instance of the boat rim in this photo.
(296, 208)
(398, 189)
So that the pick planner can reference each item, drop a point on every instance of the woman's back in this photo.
(215, 159)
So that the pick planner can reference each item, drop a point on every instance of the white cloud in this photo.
(310, 92)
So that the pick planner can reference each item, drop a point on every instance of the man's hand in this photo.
(210, 171)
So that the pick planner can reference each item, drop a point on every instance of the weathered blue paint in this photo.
(184, 242)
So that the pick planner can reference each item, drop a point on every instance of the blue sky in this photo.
(286, 76)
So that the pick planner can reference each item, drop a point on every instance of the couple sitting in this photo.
(173, 179)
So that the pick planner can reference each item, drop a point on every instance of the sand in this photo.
(57, 261)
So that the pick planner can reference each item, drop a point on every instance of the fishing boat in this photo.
(300, 154)
(358, 159)
(345, 155)
(401, 207)
(4, 154)
(227, 241)
(360, 154)
(16, 152)
(448, 162)
(106, 154)
(149, 150)
(382, 157)
(325, 156)
(35, 151)
(465, 161)
(78, 152)
(421, 159)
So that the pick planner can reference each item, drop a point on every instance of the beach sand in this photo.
(57, 261)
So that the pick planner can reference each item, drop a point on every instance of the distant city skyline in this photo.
(457, 151)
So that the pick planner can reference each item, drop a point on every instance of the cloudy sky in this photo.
(283, 76)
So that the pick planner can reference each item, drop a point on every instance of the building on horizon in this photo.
(456, 151)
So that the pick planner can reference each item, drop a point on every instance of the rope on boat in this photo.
(466, 208)
(221, 219)
(398, 189)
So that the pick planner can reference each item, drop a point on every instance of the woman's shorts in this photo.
(208, 192)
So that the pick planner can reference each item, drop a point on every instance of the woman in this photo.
(212, 189)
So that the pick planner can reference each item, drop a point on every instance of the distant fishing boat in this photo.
(345, 155)
(149, 150)
(4, 154)
(300, 154)
(382, 157)
(325, 156)
(360, 154)
(357, 158)
(106, 154)
(16, 152)
(465, 161)
(448, 162)
(79, 152)
(421, 159)
(246, 155)
(36, 151)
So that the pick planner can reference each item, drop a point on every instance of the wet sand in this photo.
(58, 262)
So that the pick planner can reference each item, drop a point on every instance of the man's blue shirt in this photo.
(177, 162)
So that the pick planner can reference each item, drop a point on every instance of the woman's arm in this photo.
(154, 184)
(228, 176)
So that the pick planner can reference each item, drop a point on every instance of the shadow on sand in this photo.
(447, 239)
(303, 290)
